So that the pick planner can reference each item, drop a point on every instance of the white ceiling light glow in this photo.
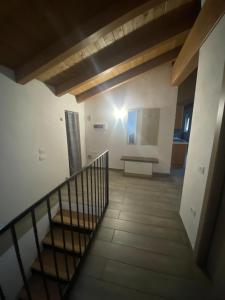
(119, 113)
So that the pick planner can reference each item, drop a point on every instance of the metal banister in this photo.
(95, 176)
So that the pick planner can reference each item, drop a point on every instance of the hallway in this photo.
(141, 250)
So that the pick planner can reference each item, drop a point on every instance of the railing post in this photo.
(53, 246)
(63, 234)
(2, 296)
(102, 179)
(71, 223)
(98, 204)
(34, 223)
(78, 214)
(16, 246)
(95, 190)
(107, 179)
(83, 209)
(87, 190)
(100, 184)
(92, 201)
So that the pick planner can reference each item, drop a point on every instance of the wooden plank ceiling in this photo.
(87, 47)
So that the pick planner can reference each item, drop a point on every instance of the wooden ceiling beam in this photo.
(212, 11)
(108, 20)
(140, 58)
(143, 38)
(126, 76)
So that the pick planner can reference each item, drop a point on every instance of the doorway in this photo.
(182, 127)
(73, 141)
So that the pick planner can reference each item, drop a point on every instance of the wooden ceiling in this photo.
(87, 47)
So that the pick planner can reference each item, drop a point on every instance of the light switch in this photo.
(42, 157)
(41, 154)
(41, 150)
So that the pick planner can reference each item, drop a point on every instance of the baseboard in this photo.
(137, 175)
(161, 174)
(157, 174)
(117, 170)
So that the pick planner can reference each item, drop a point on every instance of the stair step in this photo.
(83, 218)
(49, 266)
(58, 240)
(38, 291)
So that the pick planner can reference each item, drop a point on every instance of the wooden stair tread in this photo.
(38, 291)
(82, 217)
(58, 240)
(49, 266)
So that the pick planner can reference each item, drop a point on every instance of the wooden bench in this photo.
(138, 165)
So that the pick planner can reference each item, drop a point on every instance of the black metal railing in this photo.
(79, 204)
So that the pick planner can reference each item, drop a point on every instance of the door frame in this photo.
(79, 140)
(214, 187)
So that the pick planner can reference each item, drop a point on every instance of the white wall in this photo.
(29, 120)
(208, 89)
(149, 90)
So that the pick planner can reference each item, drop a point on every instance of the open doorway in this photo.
(73, 141)
(182, 128)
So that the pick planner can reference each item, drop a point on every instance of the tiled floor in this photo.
(141, 250)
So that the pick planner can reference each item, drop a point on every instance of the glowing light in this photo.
(119, 113)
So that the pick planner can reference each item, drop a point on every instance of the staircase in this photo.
(68, 245)
(64, 247)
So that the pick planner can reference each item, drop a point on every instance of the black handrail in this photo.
(96, 174)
